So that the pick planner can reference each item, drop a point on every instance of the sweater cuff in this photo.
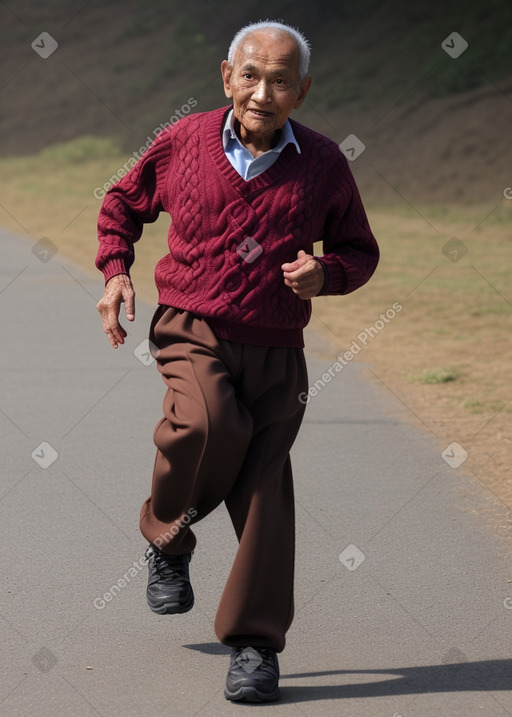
(335, 278)
(113, 267)
(326, 276)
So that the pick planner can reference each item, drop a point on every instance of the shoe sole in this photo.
(171, 608)
(251, 694)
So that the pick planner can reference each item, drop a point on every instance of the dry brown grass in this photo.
(446, 355)
(455, 319)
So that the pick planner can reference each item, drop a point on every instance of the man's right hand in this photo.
(118, 289)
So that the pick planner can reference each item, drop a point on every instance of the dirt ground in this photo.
(445, 356)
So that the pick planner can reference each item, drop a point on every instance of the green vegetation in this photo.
(440, 375)
(81, 149)
(128, 65)
(393, 50)
(476, 407)
(142, 59)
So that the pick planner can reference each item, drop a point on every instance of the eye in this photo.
(247, 76)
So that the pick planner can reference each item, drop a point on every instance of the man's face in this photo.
(264, 82)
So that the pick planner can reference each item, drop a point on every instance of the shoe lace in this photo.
(169, 565)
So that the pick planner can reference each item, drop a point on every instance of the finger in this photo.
(112, 340)
(115, 329)
(295, 265)
(302, 258)
(115, 338)
(109, 333)
(129, 303)
(303, 270)
(291, 266)
(111, 326)
(294, 270)
(304, 292)
(306, 282)
(302, 288)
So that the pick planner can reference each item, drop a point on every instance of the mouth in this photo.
(259, 113)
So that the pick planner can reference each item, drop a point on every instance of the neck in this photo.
(256, 143)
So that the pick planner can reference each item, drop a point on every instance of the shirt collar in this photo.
(287, 135)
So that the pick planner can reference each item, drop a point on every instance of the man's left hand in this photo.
(304, 276)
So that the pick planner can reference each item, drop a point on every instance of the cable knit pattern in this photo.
(301, 199)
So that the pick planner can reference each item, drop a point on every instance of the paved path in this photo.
(420, 627)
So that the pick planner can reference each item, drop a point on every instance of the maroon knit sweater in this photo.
(301, 199)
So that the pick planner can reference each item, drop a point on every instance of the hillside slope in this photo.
(434, 125)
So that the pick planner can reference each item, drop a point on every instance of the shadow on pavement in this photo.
(210, 648)
(484, 676)
(488, 675)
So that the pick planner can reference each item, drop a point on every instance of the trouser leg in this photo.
(203, 437)
(231, 414)
(257, 604)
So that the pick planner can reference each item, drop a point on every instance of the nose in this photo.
(261, 92)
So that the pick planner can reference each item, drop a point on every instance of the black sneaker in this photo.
(169, 590)
(253, 675)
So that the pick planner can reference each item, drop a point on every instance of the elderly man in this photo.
(249, 192)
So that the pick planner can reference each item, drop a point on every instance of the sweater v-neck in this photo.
(213, 135)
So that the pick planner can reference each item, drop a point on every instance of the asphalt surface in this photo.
(403, 606)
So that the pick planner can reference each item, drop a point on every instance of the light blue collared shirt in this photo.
(242, 160)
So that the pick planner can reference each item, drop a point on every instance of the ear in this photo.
(226, 71)
(304, 86)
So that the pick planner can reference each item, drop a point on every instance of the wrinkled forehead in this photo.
(272, 50)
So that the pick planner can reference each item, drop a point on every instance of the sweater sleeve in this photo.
(351, 253)
(134, 201)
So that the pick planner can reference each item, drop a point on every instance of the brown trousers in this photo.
(231, 415)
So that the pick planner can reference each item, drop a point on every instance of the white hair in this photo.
(277, 27)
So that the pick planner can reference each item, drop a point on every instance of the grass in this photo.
(83, 149)
(439, 375)
(453, 334)
(474, 406)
